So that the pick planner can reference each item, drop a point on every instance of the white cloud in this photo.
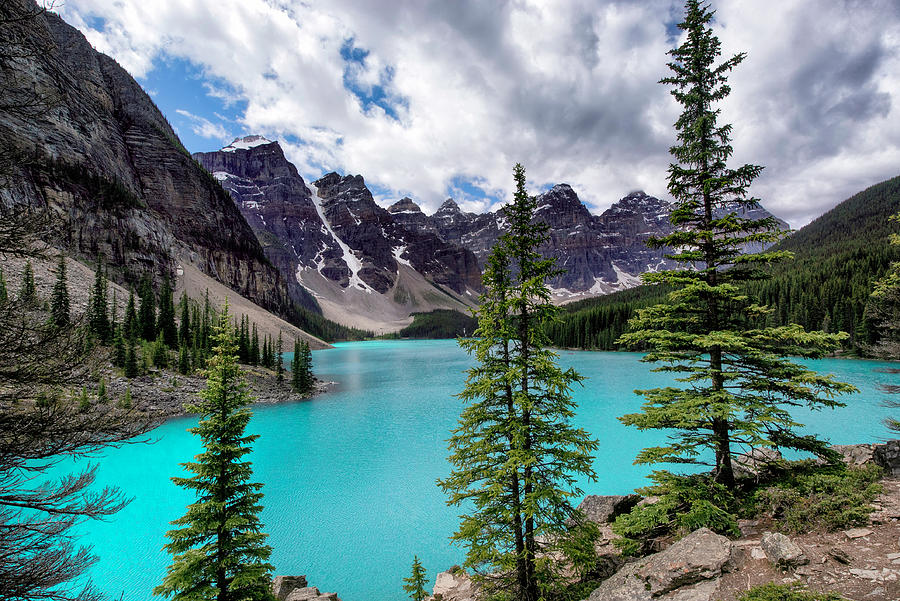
(568, 88)
(205, 128)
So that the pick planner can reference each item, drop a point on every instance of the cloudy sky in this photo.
(438, 98)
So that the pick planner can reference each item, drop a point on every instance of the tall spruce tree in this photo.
(147, 311)
(98, 311)
(515, 453)
(130, 325)
(184, 327)
(737, 386)
(27, 289)
(254, 346)
(279, 359)
(59, 304)
(218, 546)
(165, 324)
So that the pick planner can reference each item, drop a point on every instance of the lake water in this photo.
(349, 476)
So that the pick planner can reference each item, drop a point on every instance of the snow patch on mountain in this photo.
(350, 259)
(246, 143)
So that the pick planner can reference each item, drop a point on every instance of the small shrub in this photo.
(125, 401)
(685, 504)
(785, 592)
(824, 498)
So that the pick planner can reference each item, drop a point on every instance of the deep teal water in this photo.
(349, 476)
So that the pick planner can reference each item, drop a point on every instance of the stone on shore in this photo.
(782, 551)
(605, 508)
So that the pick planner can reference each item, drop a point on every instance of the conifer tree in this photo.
(218, 548)
(254, 346)
(296, 378)
(184, 327)
(4, 295)
(165, 325)
(119, 351)
(28, 290)
(279, 359)
(131, 364)
(243, 341)
(130, 327)
(147, 311)
(415, 584)
(98, 312)
(184, 360)
(59, 304)
(737, 384)
(515, 454)
(113, 314)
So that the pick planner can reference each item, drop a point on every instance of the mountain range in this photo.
(105, 162)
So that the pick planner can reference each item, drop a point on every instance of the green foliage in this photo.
(59, 303)
(807, 498)
(415, 584)
(279, 359)
(131, 363)
(130, 325)
(98, 307)
(84, 402)
(302, 378)
(218, 547)
(165, 323)
(440, 323)
(101, 390)
(27, 289)
(184, 360)
(515, 454)
(4, 294)
(685, 504)
(147, 312)
(125, 402)
(737, 387)
(120, 353)
(159, 353)
(786, 592)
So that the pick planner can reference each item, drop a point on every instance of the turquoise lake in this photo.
(349, 476)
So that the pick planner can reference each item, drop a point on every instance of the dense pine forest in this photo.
(837, 259)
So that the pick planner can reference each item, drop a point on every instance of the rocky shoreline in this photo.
(161, 394)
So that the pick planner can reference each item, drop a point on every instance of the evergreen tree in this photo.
(184, 360)
(113, 314)
(264, 353)
(165, 325)
(98, 311)
(218, 548)
(130, 326)
(59, 304)
(184, 328)
(28, 290)
(160, 352)
(243, 341)
(296, 378)
(738, 387)
(147, 311)
(119, 351)
(515, 454)
(131, 364)
(279, 359)
(254, 346)
(415, 584)
(4, 295)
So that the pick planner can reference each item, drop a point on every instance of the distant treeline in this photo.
(440, 323)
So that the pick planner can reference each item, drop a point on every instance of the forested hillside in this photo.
(826, 286)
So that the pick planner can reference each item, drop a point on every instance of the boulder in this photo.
(454, 585)
(682, 572)
(605, 508)
(311, 593)
(282, 586)
(855, 455)
(782, 551)
(887, 455)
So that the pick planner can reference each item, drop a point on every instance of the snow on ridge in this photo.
(222, 175)
(350, 259)
(398, 255)
(246, 143)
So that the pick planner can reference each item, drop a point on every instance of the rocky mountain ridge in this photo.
(94, 152)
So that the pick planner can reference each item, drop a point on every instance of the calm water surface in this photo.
(349, 476)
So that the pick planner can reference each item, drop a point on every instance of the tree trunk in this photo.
(521, 567)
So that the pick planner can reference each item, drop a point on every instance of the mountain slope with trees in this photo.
(837, 259)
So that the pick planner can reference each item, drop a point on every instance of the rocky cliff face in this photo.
(332, 238)
(107, 164)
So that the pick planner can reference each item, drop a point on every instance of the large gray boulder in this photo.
(282, 586)
(680, 572)
(855, 455)
(782, 551)
(605, 508)
(455, 585)
(311, 593)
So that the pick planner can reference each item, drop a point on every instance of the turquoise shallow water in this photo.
(349, 476)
